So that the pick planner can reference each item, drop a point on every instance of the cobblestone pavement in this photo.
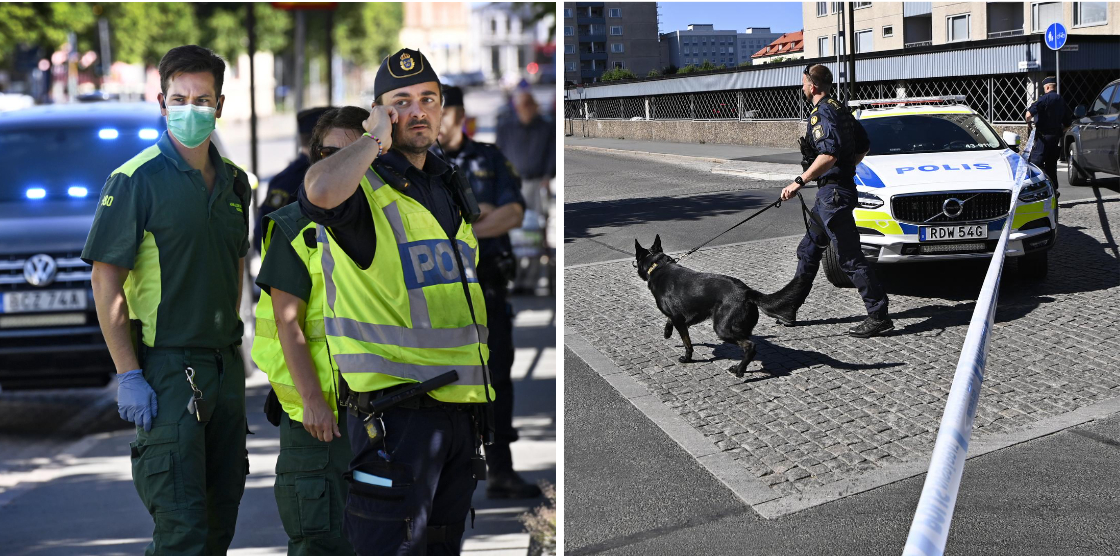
(818, 406)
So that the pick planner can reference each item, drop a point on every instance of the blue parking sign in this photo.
(1056, 36)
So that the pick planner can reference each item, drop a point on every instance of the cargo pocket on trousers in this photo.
(292, 467)
(154, 469)
(314, 505)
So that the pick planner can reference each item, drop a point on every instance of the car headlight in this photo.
(868, 201)
(1036, 192)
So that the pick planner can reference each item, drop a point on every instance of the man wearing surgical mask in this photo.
(167, 247)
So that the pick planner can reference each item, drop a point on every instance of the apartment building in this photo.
(881, 26)
(790, 46)
(605, 35)
(703, 42)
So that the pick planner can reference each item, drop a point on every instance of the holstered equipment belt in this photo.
(409, 395)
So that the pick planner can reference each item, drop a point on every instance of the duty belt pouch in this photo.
(272, 408)
(478, 460)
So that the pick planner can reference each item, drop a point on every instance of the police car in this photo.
(937, 185)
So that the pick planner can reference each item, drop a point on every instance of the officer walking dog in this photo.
(839, 144)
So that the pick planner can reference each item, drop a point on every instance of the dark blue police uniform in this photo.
(833, 130)
(281, 191)
(1051, 116)
(495, 182)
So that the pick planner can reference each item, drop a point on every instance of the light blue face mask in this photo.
(191, 124)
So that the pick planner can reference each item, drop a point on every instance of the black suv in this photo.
(1093, 141)
(55, 160)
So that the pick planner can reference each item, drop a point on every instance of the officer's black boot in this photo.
(871, 326)
(508, 484)
(785, 316)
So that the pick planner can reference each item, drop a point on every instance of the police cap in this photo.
(452, 96)
(404, 68)
(1050, 81)
(306, 119)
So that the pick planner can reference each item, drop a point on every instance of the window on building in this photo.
(837, 7)
(822, 9)
(569, 49)
(1090, 13)
(616, 29)
(731, 50)
(568, 12)
(957, 26)
(618, 64)
(569, 31)
(841, 49)
(614, 12)
(1043, 14)
(863, 41)
(494, 25)
(860, 5)
(822, 46)
(888, 30)
(570, 66)
(616, 47)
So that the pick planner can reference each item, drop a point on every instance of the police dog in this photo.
(688, 297)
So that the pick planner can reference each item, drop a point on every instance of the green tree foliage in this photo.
(142, 32)
(688, 69)
(367, 32)
(745, 64)
(226, 34)
(653, 73)
(538, 11)
(43, 24)
(617, 74)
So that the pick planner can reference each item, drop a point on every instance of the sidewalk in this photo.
(760, 163)
(82, 500)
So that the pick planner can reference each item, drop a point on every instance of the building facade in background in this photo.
(605, 35)
(442, 31)
(881, 26)
(703, 42)
(790, 46)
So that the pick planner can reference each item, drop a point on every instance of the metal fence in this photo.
(999, 98)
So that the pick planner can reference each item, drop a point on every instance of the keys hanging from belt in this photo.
(198, 406)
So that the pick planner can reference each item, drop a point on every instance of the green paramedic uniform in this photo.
(310, 491)
(182, 245)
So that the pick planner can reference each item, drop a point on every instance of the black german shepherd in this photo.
(688, 297)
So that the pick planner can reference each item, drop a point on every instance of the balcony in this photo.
(593, 38)
(591, 20)
(585, 55)
(1007, 33)
(591, 74)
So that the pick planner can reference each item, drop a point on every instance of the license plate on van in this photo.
(45, 300)
(951, 233)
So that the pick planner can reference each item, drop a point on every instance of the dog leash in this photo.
(777, 203)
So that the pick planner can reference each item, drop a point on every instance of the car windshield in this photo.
(930, 133)
(65, 162)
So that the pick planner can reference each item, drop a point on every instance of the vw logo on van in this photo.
(40, 270)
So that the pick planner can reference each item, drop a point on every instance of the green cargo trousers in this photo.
(310, 490)
(191, 475)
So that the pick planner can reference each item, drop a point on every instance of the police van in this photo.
(937, 185)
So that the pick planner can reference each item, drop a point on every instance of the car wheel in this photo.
(1073, 173)
(832, 269)
(1033, 266)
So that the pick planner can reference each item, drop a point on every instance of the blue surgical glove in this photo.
(136, 401)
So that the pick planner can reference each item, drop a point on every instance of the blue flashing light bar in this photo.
(108, 133)
(149, 134)
(77, 191)
(36, 193)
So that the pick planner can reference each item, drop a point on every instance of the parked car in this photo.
(937, 185)
(1092, 143)
(55, 160)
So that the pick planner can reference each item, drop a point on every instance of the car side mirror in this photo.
(1012, 140)
(1080, 111)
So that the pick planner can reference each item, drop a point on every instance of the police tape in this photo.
(934, 513)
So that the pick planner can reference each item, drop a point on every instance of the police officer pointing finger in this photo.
(839, 143)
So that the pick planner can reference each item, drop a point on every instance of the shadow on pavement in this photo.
(580, 218)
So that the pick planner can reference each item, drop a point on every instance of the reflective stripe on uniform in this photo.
(469, 375)
(433, 338)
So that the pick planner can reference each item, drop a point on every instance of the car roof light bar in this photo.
(908, 100)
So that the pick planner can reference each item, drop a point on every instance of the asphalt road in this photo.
(629, 489)
(611, 200)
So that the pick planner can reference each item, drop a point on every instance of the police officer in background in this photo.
(1050, 117)
(839, 143)
(498, 190)
(404, 312)
(282, 187)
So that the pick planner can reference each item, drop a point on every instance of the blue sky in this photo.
(781, 17)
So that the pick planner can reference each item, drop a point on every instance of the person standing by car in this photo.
(167, 247)
(839, 143)
(1050, 117)
(290, 347)
(498, 190)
